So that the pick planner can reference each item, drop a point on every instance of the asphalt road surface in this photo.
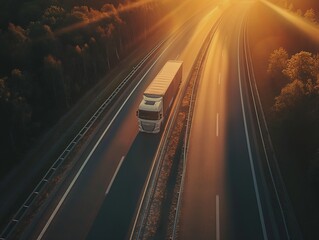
(99, 199)
(224, 195)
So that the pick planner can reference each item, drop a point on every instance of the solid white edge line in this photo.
(262, 138)
(217, 125)
(217, 219)
(143, 195)
(261, 215)
(93, 149)
(114, 175)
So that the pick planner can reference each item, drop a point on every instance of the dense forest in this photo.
(295, 113)
(54, 51)
(298, 4)
(307, 8)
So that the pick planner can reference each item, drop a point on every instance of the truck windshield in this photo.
(148, 115)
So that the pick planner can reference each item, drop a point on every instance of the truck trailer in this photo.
(159, 97)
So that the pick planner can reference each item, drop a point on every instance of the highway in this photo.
(224, 196)
(99, 198)
(224, 193)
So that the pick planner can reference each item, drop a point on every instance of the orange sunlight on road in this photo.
(307, 27)
(179, 12)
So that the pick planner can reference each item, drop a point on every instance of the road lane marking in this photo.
(95, 146)
(252, 80)
(219, 78)
(114, 175)
(260, 210)
(217, 125)
(217, 219)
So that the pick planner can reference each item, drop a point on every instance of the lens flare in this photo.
(102, 16)
(307, 27)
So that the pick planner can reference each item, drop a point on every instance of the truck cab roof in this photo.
(150, 105)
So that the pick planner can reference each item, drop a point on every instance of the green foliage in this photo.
(310, 15)
(14, 47)
(295, 113)
(301, 66)
(54, 16)
(29, 11)
(277, 62)
(290, 98)
(313, 172)
(54, 51)
(4, 91)
(298, 7)
(55, 94)
(303, 72)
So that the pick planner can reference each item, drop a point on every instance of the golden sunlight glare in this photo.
(307, 27)
(102, 16)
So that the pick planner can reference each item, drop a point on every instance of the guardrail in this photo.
(149, 189)
(197, 68)
(18, 216)
(151, 181)
(289, 222)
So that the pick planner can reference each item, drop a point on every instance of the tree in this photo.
(20, 84)
(117, 23)
(54, 50)
(301, 66)
(21, 91)
(290, 98)
(74, 72)
(53, 74)
(291, 7)
(313, 172)
(43, 44)
(4, 91)
(310, 15)
(29, 11)
(21, 117)
(299, 12)
(277, 63)
(106, 41)
(54, 16)
(17, 115)
(18, 45)
(95, 59)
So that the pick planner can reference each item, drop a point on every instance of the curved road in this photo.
(98, 200)
(224, 195)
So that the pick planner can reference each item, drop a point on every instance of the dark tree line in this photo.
(306, 8)
(52, 52)
(297, 4)
(295, 113)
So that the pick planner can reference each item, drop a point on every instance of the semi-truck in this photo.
(159, 97)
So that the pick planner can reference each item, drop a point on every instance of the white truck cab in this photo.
(159, 96)
(150, 114)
